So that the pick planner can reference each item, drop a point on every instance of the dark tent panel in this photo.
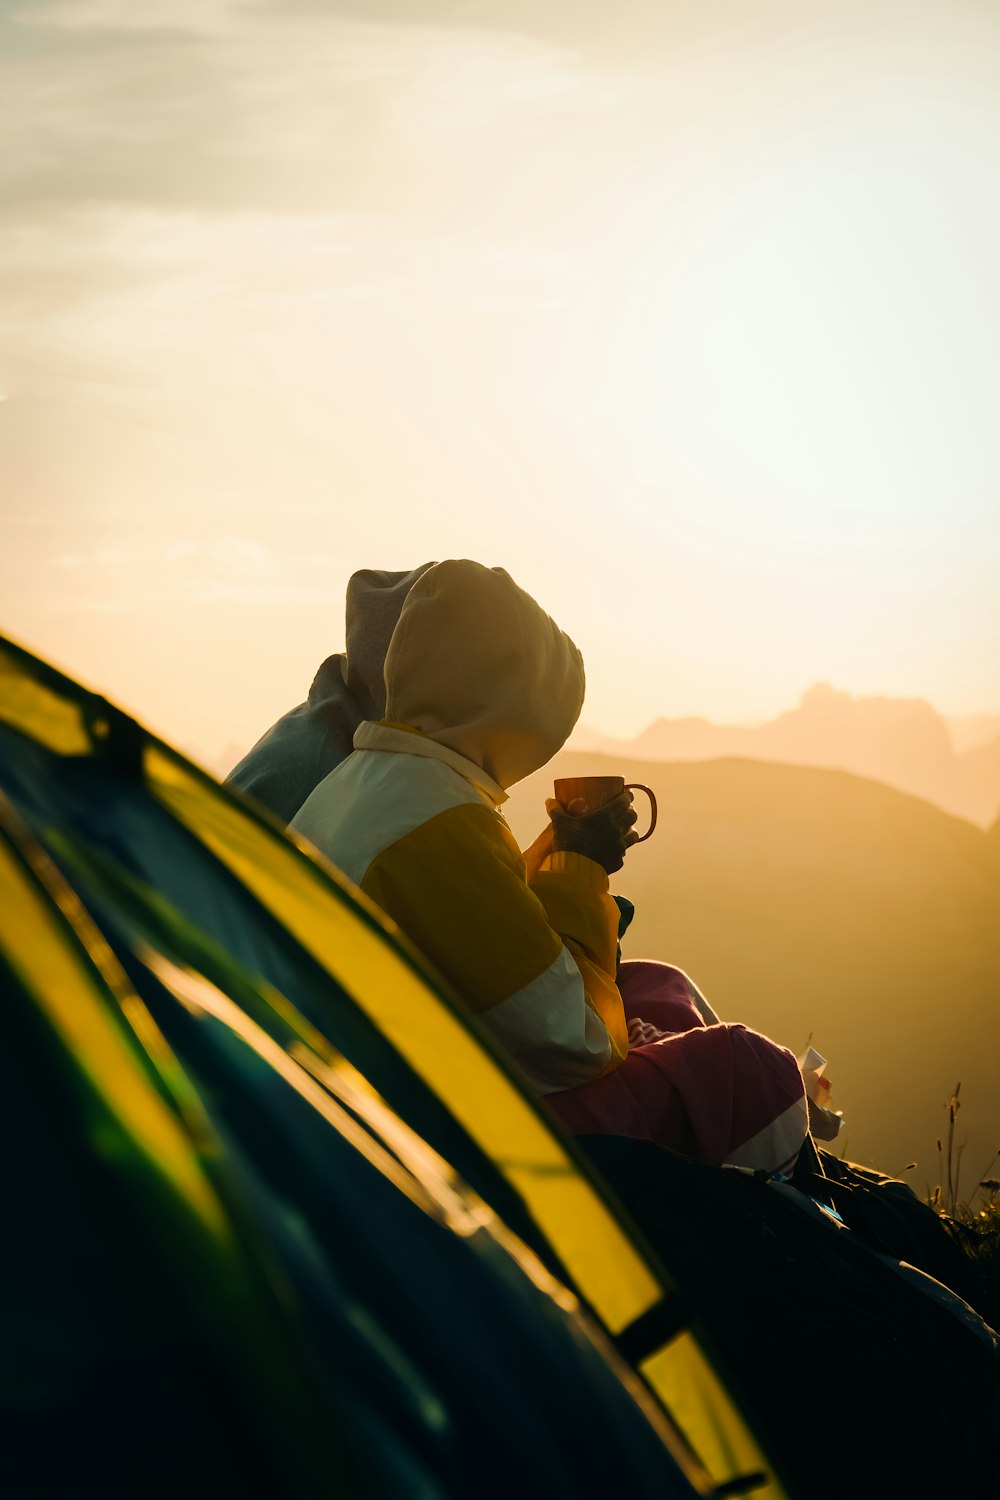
(332, 1243)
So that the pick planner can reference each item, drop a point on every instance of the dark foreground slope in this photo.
(816, 903)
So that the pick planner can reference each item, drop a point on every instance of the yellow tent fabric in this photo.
(373, 965)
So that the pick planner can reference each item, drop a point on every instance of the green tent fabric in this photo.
(280, 1218)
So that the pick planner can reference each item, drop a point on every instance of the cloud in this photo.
(210, 17)
(170, 190)
(223, 106)
(207, 231)
(133, 576)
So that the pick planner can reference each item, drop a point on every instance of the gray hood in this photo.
(311, 739)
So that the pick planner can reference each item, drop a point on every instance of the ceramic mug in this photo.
(585, 794)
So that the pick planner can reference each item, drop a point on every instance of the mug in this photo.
(595, 791)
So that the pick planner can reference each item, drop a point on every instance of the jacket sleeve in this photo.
(573, 891)
(535, 963)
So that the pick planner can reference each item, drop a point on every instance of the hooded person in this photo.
(307, 742)
(481, 689)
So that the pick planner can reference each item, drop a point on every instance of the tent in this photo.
(279, 1217)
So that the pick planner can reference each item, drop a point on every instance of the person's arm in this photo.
(535, 964)
(573, 890)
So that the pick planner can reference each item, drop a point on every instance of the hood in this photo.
(477, 665)
(307, 742)
(374, 600)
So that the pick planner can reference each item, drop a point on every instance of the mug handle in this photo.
(637, 786)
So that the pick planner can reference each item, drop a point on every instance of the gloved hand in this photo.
(602, 836)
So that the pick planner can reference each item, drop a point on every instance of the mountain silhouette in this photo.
(900, 741)
(816, 904)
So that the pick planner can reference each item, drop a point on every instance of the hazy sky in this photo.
(686, 313)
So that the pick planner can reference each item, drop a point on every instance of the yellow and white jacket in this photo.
(414, 819)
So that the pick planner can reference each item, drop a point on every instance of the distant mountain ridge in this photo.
(903, 742)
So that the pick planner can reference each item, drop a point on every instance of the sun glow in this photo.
(692, 319)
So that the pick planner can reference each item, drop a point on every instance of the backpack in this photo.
(798, 1307)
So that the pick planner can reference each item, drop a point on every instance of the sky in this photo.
(687, 314)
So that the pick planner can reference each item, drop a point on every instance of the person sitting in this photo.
(482, 688)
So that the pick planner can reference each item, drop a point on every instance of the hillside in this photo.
(816, 903)
(903, 742)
